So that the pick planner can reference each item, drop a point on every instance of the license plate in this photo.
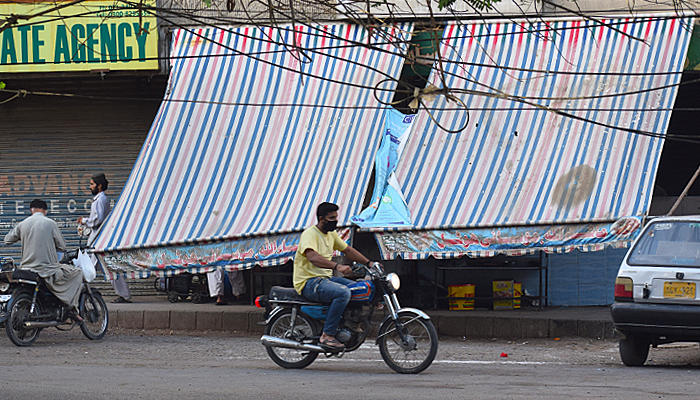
(679, 290)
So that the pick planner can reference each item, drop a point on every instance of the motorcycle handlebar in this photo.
(357, 267)
(7, 263)
(70, 255)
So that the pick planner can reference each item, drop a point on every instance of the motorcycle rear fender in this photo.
(419, 313)
(3, 311)
(16, 293)
(279, 309)
(94, 291)
(274, 312)
(8, 305)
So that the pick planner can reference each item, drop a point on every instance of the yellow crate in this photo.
(517, 293)
(461, 291)
(502, 289)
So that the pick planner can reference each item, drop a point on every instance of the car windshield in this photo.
(668, 243)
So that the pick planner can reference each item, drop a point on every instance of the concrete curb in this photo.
(594, 323)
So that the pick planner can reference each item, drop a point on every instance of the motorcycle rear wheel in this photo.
(305, 329)
(415, 356)
(19, 313)
(95, 314)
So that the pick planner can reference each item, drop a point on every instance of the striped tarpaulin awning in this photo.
(257, 127)
(517, 164)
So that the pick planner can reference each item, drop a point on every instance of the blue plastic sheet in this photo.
(388, 207)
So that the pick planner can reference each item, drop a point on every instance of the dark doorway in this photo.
(680, 159)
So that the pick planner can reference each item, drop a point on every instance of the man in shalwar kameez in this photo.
(99, 210)
(41, 239)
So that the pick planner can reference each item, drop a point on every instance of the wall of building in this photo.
(583, 279)
(244, 12)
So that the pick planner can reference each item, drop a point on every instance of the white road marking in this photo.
(369, 360)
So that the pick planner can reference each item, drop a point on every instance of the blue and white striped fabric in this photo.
(517, 164)
(247, 141)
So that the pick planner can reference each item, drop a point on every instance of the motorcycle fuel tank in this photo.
(361, 291)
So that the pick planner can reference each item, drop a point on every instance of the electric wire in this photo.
(399, 42)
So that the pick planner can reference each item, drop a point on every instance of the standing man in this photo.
(41, 239)
(313, 270)
(215, 280)
(99, 210)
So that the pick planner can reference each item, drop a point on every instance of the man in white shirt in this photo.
(99, 210)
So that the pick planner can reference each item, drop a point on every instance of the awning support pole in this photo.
(685, 192)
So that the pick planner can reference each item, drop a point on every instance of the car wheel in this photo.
(634, 350)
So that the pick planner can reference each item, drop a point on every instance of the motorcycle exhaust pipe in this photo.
(271, 341)
(37, 324)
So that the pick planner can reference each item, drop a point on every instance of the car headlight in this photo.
(393, 281)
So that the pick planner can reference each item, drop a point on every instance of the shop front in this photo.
(550, 144)
(552, 148)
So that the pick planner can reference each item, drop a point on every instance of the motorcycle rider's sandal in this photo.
(332, 344)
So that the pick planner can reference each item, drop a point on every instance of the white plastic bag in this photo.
(84, 262)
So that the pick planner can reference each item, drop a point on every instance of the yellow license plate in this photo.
(679, 290)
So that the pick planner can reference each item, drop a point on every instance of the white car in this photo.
(656, 298)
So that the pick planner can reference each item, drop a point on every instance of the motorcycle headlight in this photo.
(393, 280)
(4, 286)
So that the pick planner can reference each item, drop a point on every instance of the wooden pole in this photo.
(685, 192)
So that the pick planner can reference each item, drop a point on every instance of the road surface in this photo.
(171, 365)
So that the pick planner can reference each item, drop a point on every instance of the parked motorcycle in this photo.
(27, 306)
(407, 339)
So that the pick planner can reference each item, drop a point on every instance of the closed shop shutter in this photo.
(51, 146)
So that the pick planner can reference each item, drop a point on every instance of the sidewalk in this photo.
(155, 312)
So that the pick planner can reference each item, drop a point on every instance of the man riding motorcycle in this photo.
(313, 269)
(41, 239)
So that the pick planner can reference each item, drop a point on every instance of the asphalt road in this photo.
(161, 365)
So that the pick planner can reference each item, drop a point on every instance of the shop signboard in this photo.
(692, 61)
(88, 36)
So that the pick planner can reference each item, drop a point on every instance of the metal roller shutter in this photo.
(50, 147)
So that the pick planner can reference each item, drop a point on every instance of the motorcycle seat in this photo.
(25, 274)
(280, 293)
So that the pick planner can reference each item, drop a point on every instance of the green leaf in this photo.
(2, 85)
(207, 3)
(445, 3)
(478, 4)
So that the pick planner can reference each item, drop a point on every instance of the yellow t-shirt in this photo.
(323, 244)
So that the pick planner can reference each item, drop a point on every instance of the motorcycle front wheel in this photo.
(94, 312)
(419, 350)
(304, 330)
(20, 312)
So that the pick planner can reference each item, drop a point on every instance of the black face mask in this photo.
(330, 225)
